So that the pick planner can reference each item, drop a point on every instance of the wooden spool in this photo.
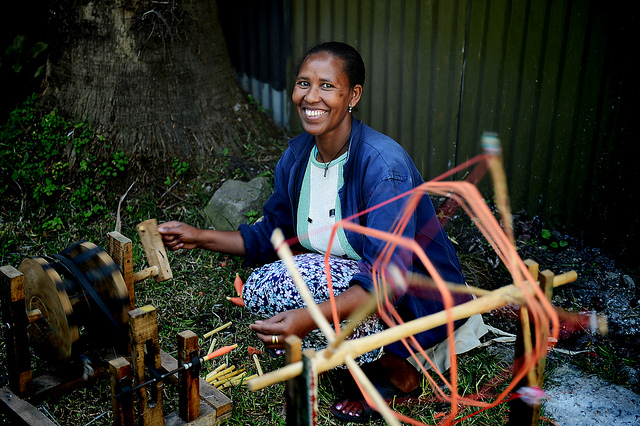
(78, 291)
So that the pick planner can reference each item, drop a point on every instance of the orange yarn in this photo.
(465, 195)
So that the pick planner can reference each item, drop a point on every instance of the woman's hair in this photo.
(353, 63)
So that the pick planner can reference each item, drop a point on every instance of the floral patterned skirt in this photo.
(270, 290)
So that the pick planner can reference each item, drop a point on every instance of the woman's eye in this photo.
(302, 84)
(326, 86)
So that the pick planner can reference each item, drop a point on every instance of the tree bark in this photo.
(153, 77)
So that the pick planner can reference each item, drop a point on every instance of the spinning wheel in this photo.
(80, 304)
(79, 289)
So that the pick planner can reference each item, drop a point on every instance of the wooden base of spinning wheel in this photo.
(47, 307)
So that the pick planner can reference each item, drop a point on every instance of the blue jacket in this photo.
(377, 169)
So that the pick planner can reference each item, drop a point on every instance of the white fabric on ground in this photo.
(467, 337)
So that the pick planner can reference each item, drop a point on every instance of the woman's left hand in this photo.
(274, 330)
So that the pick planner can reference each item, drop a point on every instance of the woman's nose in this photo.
(313, 94)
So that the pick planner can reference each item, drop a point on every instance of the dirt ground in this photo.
(594, 378)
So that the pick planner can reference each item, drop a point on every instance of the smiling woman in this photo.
(324, 98)
(337, 168)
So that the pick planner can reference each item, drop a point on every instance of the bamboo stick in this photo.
(246, 379)
(368, 308)
(220, 373)
(364, 311)
(212, 345)
(216, 370)
(527, 343)
(506, 295)
(239, 381)
(216, 330)
(258, 366)
(428, 282)
(235, 378)
(380, 403)
(526, 328)
(226, 377)
(491, 146)
(224, 374)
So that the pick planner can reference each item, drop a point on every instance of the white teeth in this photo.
(313, 113)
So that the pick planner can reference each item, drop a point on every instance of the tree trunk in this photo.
(153, 77)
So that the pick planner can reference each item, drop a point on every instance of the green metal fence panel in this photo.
(540, 73)
(413, 52)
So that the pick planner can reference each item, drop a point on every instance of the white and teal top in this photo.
(319, 207)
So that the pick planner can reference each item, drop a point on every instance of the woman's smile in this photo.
(313, 113)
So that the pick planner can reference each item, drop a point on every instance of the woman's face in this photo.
(322, 95)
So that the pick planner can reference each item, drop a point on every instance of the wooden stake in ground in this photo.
(293, 354)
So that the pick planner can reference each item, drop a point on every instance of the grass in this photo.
(82, 205)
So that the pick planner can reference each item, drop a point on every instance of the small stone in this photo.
(632, 375)
(628, 282)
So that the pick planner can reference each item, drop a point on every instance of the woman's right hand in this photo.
(178, 235)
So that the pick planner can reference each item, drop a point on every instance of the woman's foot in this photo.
(392, 376)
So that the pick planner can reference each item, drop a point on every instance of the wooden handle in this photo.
(149, 272)
(154, 249)
(34, 315)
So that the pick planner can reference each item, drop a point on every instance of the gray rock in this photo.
(228, 207)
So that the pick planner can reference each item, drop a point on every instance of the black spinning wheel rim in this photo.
(80, 288)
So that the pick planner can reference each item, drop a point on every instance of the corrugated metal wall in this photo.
(534, 73)
(258, 37)
(543, 74)
(413, 52)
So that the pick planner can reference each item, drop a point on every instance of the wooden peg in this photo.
(293, 354)
(145, 349)
(16, 338)
(520, 412)
(120, 249)
(122, 408)
(188, 381)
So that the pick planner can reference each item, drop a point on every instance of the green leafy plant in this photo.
(116, 165)
(180, 167)
(253, 101)
(46, 159)
(252, 216)
(548, 236)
